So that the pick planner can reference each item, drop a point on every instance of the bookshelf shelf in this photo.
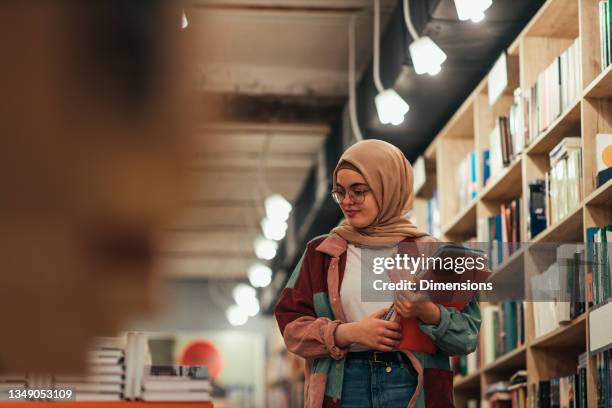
(512, 361)
(463, 225)
(570, 335)
(512, 263)
(601, 196)
(556, 18)
(568, 228)
(567, 124)
(507, 186)
(601, 87)
(470, 382)
(566, 33)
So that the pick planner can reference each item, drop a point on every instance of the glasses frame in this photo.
(351, 193)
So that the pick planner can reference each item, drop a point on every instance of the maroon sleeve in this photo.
(304, 333)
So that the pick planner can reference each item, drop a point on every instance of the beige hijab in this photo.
(389, 175)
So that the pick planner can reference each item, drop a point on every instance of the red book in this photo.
(413, 337)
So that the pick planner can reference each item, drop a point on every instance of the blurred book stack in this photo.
(498, 395)
(176, 383)
(10, 382)
(105, 376)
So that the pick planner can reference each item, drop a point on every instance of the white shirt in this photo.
(350, 290)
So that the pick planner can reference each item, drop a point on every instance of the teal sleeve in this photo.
(457, 331)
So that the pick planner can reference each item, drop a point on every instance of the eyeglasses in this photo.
(357, 196)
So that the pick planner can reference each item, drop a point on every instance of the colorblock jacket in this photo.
(309, 310)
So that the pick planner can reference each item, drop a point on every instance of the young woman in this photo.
(351, 353)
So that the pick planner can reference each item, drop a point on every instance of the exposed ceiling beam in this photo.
(274, 109)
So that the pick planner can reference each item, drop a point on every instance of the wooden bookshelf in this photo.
(551, 31)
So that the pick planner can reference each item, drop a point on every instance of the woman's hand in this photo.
(415, 305)
(372, 332)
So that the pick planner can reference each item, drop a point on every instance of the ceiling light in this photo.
(273, 229)
(236, 315)
(472, 9)
(260, 275)
(243, 294)
(426, 56)
(265, 248)
(391, 107)
(277, 207)
(184, 23)
(251, 308)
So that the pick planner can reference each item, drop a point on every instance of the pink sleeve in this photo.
(311, 337)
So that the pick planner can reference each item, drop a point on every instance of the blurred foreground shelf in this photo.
(107, 404)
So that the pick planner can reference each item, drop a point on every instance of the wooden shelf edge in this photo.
(539, 341)
(463, 382)
(574, 214)
(457, 219)
(565, 116)
(593, 89)
(600, 195)
(502, 360)
(509, 171)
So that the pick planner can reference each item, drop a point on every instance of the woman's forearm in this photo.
(345, 334)
(429, 313)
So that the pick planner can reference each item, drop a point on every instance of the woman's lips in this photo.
(351, 213)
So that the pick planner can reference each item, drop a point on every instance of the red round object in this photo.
(202, 352)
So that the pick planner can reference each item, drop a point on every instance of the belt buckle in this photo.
(376, 355)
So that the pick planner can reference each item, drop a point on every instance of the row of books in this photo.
(566, 391)
(502, 329)
(599, 258)
(466, 365)
(603, 370)
(504, 227)
(558, 292)
(508, 394)
(118, 368)
(605, 12)
(434, 224)
(533, 111)
(555, 90)
(564, 180)
(466, 177)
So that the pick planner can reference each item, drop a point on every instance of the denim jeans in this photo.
(369, 384)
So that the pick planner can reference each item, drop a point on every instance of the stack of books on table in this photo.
(105, 373)
(9, 383)
(176, 383)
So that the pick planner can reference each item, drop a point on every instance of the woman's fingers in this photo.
(391, 325)
(392, 334)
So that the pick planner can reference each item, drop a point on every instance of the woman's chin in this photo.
(357, 223)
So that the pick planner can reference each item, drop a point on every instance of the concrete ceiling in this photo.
(254, 51)
(237, 166)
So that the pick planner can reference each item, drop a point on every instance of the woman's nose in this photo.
(346, 200)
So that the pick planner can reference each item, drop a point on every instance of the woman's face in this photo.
(359, 215)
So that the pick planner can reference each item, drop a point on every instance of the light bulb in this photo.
(273, 229)
(236, 315)
(391, 107)
(277, 207)
(243, 294)
(251, 308)
(184, 22)
(260, 275)
(265, 248)
(426, 56)
(472, 9)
